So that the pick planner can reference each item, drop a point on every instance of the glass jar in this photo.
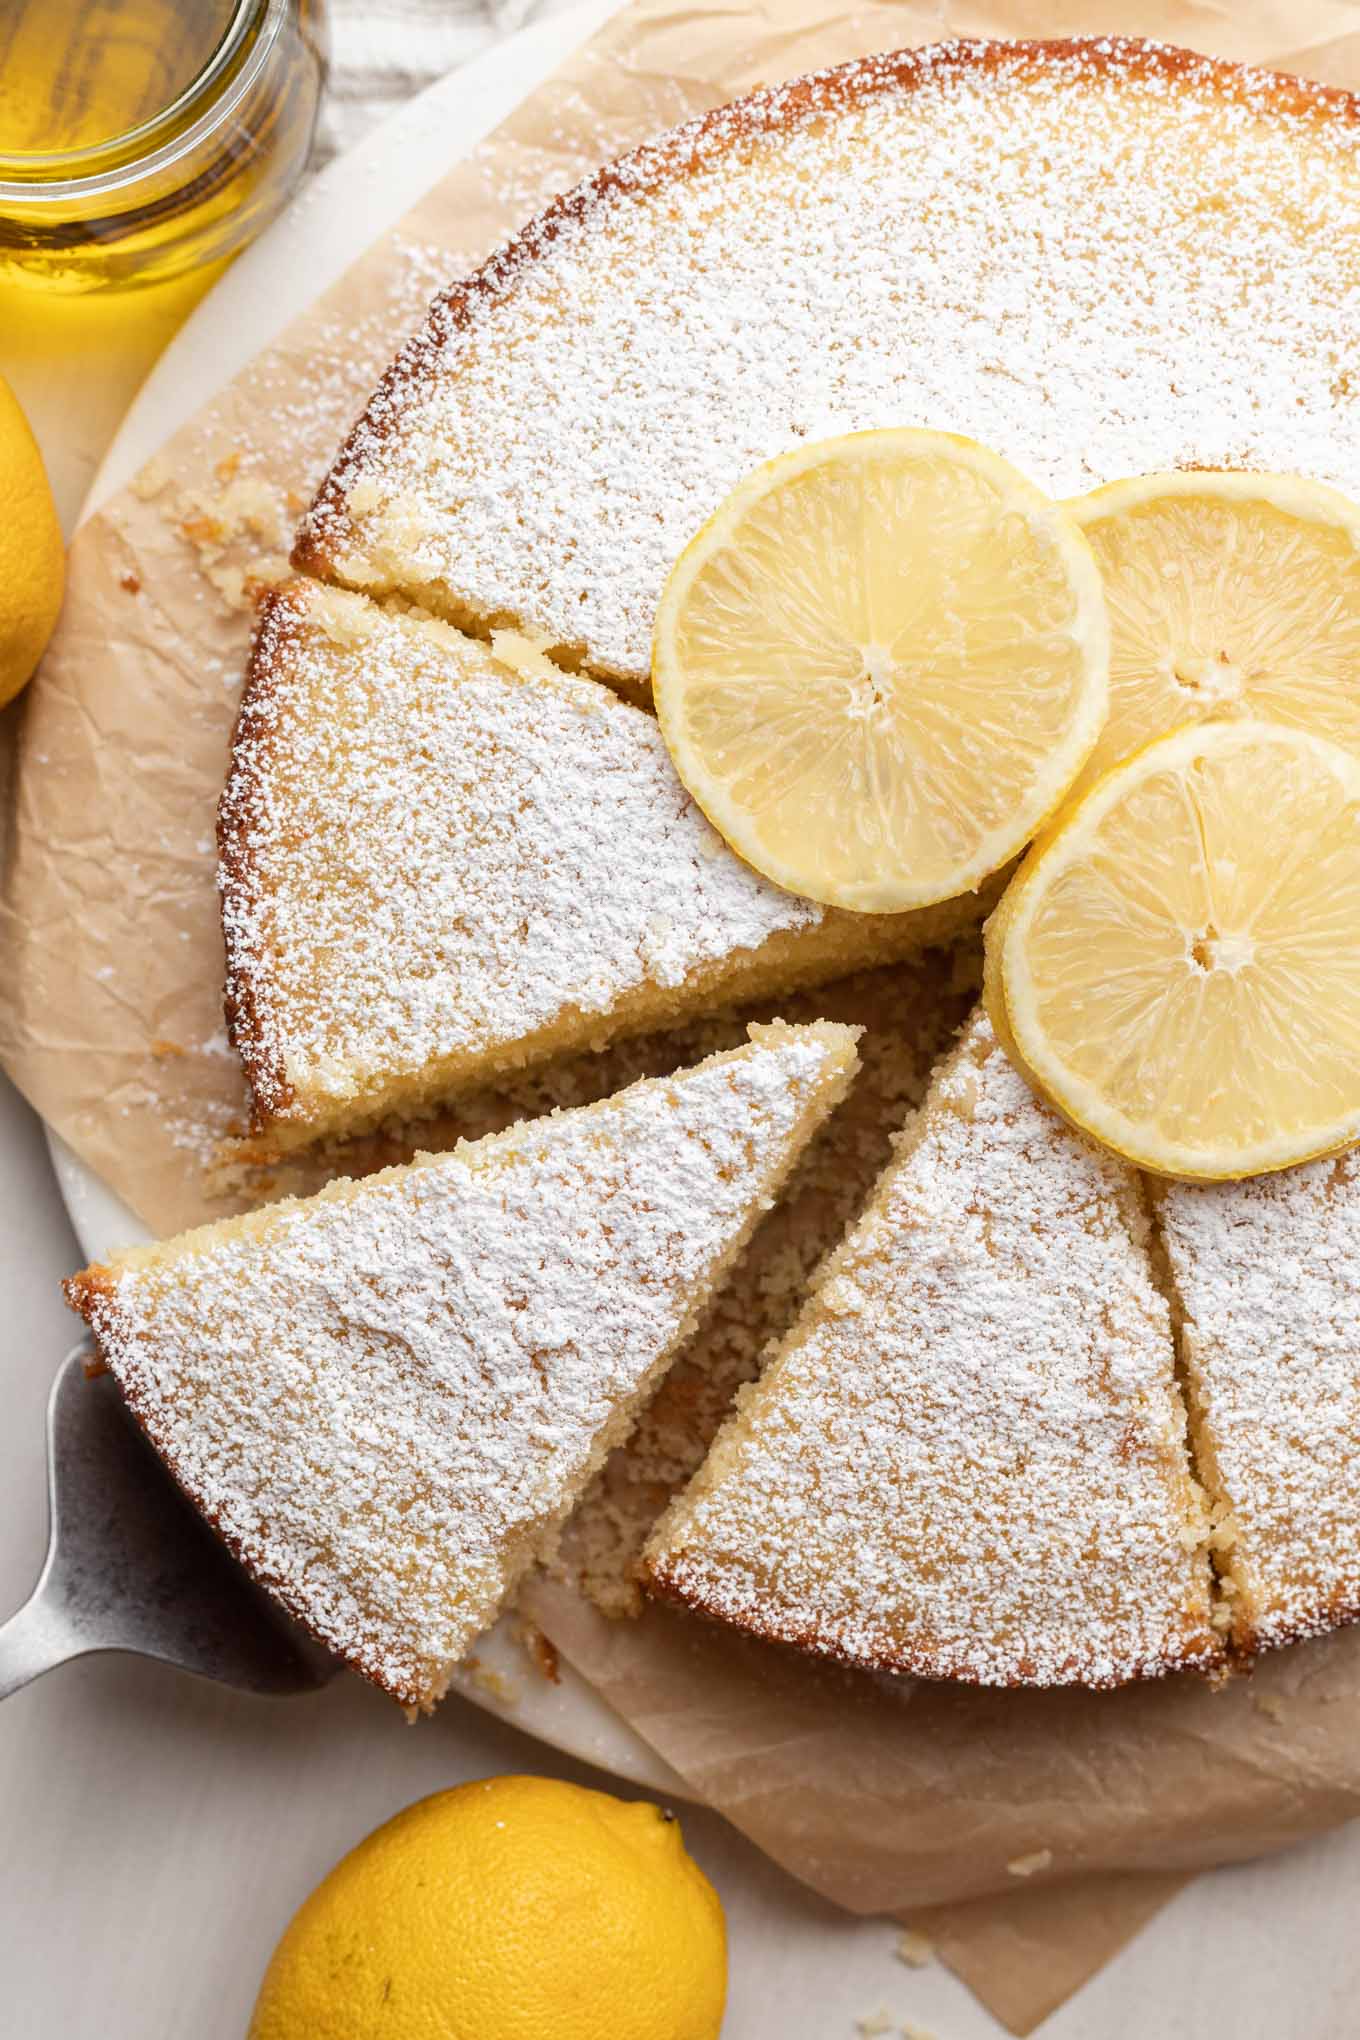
(140, 139)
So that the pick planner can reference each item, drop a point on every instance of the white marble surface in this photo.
(157, 1833)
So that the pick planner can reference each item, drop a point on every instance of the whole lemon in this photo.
(32, 562)
(509, 1909)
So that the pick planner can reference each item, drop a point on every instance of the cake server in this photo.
(132, 1566)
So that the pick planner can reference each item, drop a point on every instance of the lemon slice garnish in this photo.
(1175, 964)
(880, 665)
(1228, 594)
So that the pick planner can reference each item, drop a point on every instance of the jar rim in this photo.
(38, 189)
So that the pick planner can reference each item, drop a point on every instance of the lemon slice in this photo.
(879, 665)
(1228, 594)
(1175, 964)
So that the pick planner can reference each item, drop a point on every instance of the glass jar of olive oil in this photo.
(143, 138)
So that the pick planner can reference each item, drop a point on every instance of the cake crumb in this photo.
(154, 477)
(1026, 1866)
(875, 2023)
(914, 2032)
(1269, 1705)
(541, 1652)
(491, 1682)
(916, 1950)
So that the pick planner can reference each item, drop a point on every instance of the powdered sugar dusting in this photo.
(430, 859)
(383, 1396)
(1267, 1275)
(1099, 259)
(969, 1458)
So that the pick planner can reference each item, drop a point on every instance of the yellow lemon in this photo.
(1174, 965)
(32, 562)
(509, 1909)
(880, 665)
(1228, 594)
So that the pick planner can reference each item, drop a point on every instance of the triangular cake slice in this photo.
(436, 867)
(968, 1459)
(386, 1397)
(1265, 1277)
(930, 237)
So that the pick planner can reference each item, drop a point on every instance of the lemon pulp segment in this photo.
(880, 665)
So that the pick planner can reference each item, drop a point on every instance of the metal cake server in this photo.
(131, 1565)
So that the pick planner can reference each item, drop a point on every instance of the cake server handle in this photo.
(34, 1640)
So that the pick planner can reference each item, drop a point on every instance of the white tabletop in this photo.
(158, 1832)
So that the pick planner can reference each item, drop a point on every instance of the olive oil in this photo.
(141, 138)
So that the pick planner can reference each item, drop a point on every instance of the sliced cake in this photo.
(386, 1397)
(436, 866)
(968, 1458)
(1265, 1276)
(1048, 247)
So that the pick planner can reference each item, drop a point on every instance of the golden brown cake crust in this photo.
(674, 156)
(279, 629)
(922, 1664)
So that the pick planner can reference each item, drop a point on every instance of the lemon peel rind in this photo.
(1295, 495)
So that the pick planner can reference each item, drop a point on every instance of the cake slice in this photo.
(968, 1458)
(385, 1398)
(436, 867)
(1265, 1277)
(932, 237)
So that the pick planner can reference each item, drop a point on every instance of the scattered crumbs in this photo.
(162, 1049)
(1270, 1705)
(1028, 1866)
(875, 2023)
(130, 583)
(154, 477)
(491, 1682)
(914, 2032)
(542, 1652)
(916, 1950)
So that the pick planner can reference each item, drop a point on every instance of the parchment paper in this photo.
(899, 1797)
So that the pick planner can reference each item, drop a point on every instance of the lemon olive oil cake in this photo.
(386, 1397)
(436, 866)
(968, 1458)
(1098, 258)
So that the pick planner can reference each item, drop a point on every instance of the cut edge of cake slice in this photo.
(968, 1459)
(1263, 1278)
(303, 1370)
(440, 862)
